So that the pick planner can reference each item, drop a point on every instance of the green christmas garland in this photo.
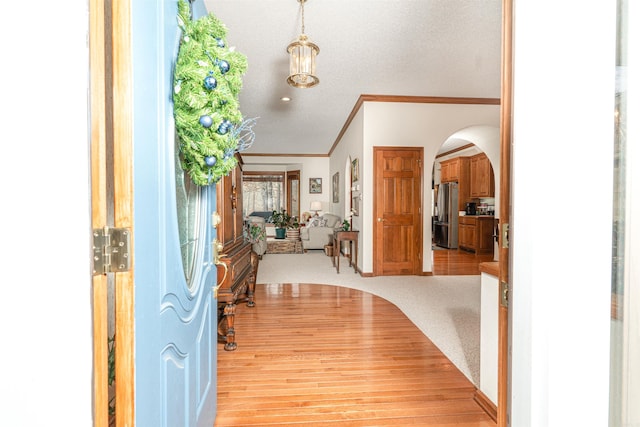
(207, 80)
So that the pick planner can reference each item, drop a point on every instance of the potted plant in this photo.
(281, 220)
(293, 229)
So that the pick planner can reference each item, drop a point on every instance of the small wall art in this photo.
(355, 205)
(315, 185)
(335, 188)
(355, 170)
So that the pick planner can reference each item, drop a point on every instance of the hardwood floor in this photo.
(455, 262)
(319, 355)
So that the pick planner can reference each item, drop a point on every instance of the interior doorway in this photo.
(397, 231)
(469, 218)
(293, 193)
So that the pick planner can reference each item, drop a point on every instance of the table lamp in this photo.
(316, 206)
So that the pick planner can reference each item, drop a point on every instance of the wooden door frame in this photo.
(99, 216)
(290, 176)
(123, 203)
(119, 175)
(504, 322)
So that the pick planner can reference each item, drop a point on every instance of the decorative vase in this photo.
(280, 233)
(293, 234)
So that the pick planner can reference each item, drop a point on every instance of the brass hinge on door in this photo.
(504, 294)
(505, 235)
(111, 250)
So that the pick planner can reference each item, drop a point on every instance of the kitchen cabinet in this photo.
(482, 183)
(452, 170)
(466, 232)
(475, 233)
(457, 170)
(449, 170)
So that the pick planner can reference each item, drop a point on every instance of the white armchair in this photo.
(318, 232)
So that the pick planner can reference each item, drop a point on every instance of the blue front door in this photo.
(175, 313)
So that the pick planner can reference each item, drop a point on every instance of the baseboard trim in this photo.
(486, 404)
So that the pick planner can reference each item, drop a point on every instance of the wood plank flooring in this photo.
(455, 262)
(319, 355)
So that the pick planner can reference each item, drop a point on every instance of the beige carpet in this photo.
(445, 308)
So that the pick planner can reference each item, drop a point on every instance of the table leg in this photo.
(337, 253)
(355, 254)
(333, 252)
(350, 253)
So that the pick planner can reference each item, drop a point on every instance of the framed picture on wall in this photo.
(335, 188)
(315, 185)
(355, 170)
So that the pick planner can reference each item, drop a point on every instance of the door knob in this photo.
(381, 219)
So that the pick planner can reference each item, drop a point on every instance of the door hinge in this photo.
(111, 250)
(504, 294)
(505, 235)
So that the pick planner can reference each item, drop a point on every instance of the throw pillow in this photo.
(332, 220)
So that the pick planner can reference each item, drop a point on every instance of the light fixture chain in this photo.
(302, 6)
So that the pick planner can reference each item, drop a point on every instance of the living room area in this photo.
(283, 216)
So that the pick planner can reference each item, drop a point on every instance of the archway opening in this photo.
(464, 201)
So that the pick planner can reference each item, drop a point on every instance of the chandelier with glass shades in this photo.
(302, 58)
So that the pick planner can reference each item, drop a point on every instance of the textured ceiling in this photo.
(378, 47)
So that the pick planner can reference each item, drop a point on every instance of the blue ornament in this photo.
(220, 42)
(210, 82)
(206, 121)
(223, 128)
(210, 160)
(224, 66)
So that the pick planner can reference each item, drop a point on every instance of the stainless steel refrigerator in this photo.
(445, 228)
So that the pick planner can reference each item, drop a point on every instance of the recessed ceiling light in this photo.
(285, 99)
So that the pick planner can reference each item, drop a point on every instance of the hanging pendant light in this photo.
(302, 59)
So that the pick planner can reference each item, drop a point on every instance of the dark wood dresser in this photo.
(237, 281)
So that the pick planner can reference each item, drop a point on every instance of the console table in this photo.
(350, 236)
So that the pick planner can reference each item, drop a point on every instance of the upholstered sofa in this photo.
(318, 232)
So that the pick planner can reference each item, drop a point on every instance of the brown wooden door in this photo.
(397, 209)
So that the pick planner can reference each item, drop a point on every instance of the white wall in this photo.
(45, 320)
(350, 148)
(561, 278)
(412, 125)
(489, 297)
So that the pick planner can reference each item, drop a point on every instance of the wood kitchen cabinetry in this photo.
(466, 233)
(237, 281)
(475, 233)
(452, 170)
(457, 170)
(481, 177)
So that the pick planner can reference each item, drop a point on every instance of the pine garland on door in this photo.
(207, 80)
